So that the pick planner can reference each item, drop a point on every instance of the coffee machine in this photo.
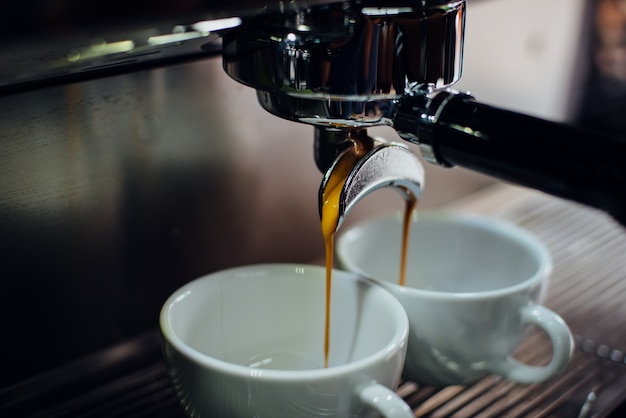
(136, 140)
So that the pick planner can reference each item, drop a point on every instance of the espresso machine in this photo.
(136, 140)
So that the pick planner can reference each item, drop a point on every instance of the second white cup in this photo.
(473, 287)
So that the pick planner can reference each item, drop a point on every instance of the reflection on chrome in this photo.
(179, 34)
(216, 24)
(386, 11)
(343, 64)
(100, 48)
(175, 37)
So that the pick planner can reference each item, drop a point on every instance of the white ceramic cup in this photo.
(473, 287)
(249, 342)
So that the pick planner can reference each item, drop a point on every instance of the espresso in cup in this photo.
(473, 287)
(248, 342)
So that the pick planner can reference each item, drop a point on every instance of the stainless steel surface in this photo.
(342, 65)
(44, 43)
(387, 165)
(116, 191)
(48, 44)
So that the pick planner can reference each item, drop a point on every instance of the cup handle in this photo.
(562, 347)
(385, 401)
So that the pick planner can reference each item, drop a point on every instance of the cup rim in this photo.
(399, 339)
(492, 224)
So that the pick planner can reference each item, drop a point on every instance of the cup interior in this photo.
(448, 252)
(273, 317)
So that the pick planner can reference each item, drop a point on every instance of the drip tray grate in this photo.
(588, 289)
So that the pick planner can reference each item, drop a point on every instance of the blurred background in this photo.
(115, 191)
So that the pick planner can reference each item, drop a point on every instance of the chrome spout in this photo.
(385, 165)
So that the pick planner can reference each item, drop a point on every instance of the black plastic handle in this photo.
(556, 158)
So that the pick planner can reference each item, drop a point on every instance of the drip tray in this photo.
(588, 289)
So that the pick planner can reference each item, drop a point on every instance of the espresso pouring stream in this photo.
(330, 216)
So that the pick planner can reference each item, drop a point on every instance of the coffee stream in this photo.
(410, 205)
(330, 216)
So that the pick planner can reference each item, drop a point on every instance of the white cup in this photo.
(473, 287)
(249, 342)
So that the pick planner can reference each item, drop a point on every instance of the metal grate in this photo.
(128, 380)
(587, 289)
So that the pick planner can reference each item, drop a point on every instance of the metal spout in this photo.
(387, 164)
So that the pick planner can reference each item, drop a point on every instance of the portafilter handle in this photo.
(564, 160)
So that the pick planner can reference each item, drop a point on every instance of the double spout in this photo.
(382, 165)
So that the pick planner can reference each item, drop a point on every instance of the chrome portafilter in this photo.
(346, 64)
(344, 67)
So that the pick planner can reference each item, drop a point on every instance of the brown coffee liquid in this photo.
(330, 216)
(410, 205)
